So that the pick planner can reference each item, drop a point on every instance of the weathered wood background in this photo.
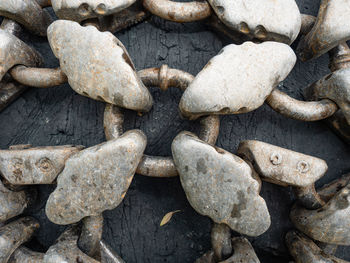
(59, 116)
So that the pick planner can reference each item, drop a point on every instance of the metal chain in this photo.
(218, 184)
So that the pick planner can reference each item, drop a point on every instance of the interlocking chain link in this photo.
(217, 183)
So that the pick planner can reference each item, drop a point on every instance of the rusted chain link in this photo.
(38, 77)
(11, 27)
(163, 77)
(300, 110)
(44, 3)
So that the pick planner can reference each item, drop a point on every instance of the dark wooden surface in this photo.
(58, 116)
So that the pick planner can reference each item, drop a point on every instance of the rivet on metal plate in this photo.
(298, 170)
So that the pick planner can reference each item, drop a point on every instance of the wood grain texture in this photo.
(58, 116)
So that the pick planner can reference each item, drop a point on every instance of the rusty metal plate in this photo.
(334, 86)
(96, 179)
(332, 27)
(220, 185)
(282, 166)
(99, 67)
(37, 165)
(238, 79)
(329, 224)
(25, 255)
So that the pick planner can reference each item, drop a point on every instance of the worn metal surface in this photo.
(163, 77)
(307, 22)
(339, 57)
(210, 127)
(331, 28)
(207, 257)
(107, 75)
(11, 26)
(79, 10)
(37, 165)
(329, 249)
(221, 241)
(328, 224)
(157, 166)
(108, 255)
(44, 3)
(15, 234)
(243, 252)
(14, 51)
(206, 171)
(90, 236)
(28, 13)
(9, 91)
(329, 190)
(308, 197)
(96, 179)
(340, 125)
(285, 167)
(282, 166)
(113, 120)
(124, 19)
(304, 250)
(12, 203)
(334, 86)
(38, 77)
(238, 79)
(66, 249)
(25, 255)
(266, 20)
(177, 11)
(216, 25)
(300, 110)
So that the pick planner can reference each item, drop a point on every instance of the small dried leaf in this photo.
(167, 217)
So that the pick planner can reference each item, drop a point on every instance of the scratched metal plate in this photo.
(58, 116)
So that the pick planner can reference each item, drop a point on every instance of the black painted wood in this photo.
(58, 116)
